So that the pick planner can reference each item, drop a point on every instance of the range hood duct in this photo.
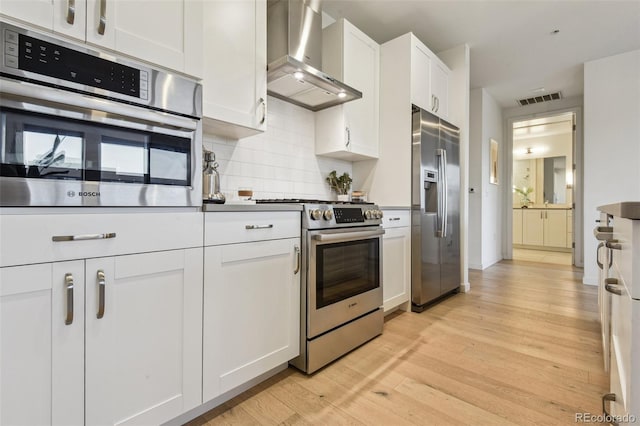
(294, 55)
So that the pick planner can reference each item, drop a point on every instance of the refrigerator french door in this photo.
(435, 209)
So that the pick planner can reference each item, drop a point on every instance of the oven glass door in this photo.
(345, 276)
(40, 146)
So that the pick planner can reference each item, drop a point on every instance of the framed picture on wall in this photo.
(493, 158)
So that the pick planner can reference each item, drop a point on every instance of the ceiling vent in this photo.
(538, 99)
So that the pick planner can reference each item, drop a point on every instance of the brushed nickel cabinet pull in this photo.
(297, 250)
(68, 284)
(108, 235)
(102, 23)
(613, 245)
(611, 285)
(600, 265)
(393, 219)
(608, 417)
(348, 131)
(264, 110)
(71, 11)
(101, 287)
(269, 226)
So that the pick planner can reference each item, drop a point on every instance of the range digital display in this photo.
(343, 215)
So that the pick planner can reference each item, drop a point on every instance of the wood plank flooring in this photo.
(522, 347)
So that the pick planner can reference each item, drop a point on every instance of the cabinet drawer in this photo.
(627, 259)
(29, 238)
(396, 218)
(235, 227)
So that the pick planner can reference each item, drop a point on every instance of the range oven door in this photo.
(344, 276)
(79, 150)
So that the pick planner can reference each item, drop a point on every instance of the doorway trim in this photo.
(578, 185)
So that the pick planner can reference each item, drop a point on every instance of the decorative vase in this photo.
(343, 197)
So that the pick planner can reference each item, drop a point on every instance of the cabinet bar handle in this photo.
(269, 226)
(297, 250)
(101, 286)
(608, 418)
(102, 23)
(600, 265)
(264, 110)
(613, 245)
(68, 284)
(348, 131)
(71, 11)
(392, 219)
(611, 285)
(84, 237)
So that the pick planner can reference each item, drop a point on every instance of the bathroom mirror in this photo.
(544, 179)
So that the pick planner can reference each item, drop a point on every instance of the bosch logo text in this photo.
(83, 194)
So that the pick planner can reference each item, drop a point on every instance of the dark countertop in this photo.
(209, 207)
(625, 209)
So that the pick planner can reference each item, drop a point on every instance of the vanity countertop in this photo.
(625, 209)
(549, 207)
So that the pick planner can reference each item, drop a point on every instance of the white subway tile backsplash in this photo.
(280, 163)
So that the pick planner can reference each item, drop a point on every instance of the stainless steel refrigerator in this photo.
(435, 209)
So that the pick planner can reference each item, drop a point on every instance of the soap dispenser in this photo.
(211, 179)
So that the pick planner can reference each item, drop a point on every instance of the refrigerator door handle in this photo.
(445, 193)
(442, 197)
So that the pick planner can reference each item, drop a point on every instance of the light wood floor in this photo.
(542, 256)
(523, 347)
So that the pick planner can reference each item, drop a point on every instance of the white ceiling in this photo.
(512, 49)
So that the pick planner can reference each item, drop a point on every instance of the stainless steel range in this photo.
(342, 287)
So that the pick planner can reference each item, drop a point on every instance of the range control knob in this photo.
(368, 214)
(316, 214)
(378, 214)
(327, 215)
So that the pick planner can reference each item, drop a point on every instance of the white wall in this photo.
(485, 204)
(280, 163)
(611, 141)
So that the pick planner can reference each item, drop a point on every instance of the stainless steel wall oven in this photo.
(83, 128)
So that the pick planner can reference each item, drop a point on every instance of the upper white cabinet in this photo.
(429, 80)
(163, 32)
(235, 67)
(350, 131)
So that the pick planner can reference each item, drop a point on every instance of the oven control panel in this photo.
(325, 216)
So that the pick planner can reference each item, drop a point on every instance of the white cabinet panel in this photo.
(143, 360)
(35, 12)
(555, 228)
(396, 258)
(350, 131)
(235, 63)
(421, 76)
(533, 227)
(543, 227)
(42, 362)
(251, 311)
(517, 226)
(439, 88)
(234, 227)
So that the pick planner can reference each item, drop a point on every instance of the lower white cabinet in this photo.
(540, 227)
(251, 298)
(396, 259)
(115, 340)
(517, 226)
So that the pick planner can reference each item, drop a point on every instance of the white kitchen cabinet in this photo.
(235, 67)
(429, 80)
(138, 363)
(439, 88)
(166, 33)
(544, 227)
(396, 259)
(569, 229)
(517, 226)
(251, 298)
(42, 345)
(350, 131)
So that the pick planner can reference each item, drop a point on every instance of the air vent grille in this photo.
(541, 98)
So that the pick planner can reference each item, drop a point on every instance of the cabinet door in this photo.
(420, 76)
(251, 311)
(235, 62)
(533, 227)
(70, 21)
(42, 344)
(35, 12)
(143, 349)
(517, 226)
(555, 228)
(361, 70)
(396, 267)
(167, 33)
(439, 89)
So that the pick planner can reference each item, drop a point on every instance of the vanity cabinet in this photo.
(166, 33)
(350, 131)
(541, 227)
(396, 259)
(234, 98)
(251, 296)
(104, 339)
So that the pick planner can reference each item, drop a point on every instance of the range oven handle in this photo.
(344, 236)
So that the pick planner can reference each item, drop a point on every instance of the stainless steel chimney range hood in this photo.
(294, 55)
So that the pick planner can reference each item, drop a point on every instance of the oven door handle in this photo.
(344, 236)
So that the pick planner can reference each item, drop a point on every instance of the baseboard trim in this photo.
(465, 287)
